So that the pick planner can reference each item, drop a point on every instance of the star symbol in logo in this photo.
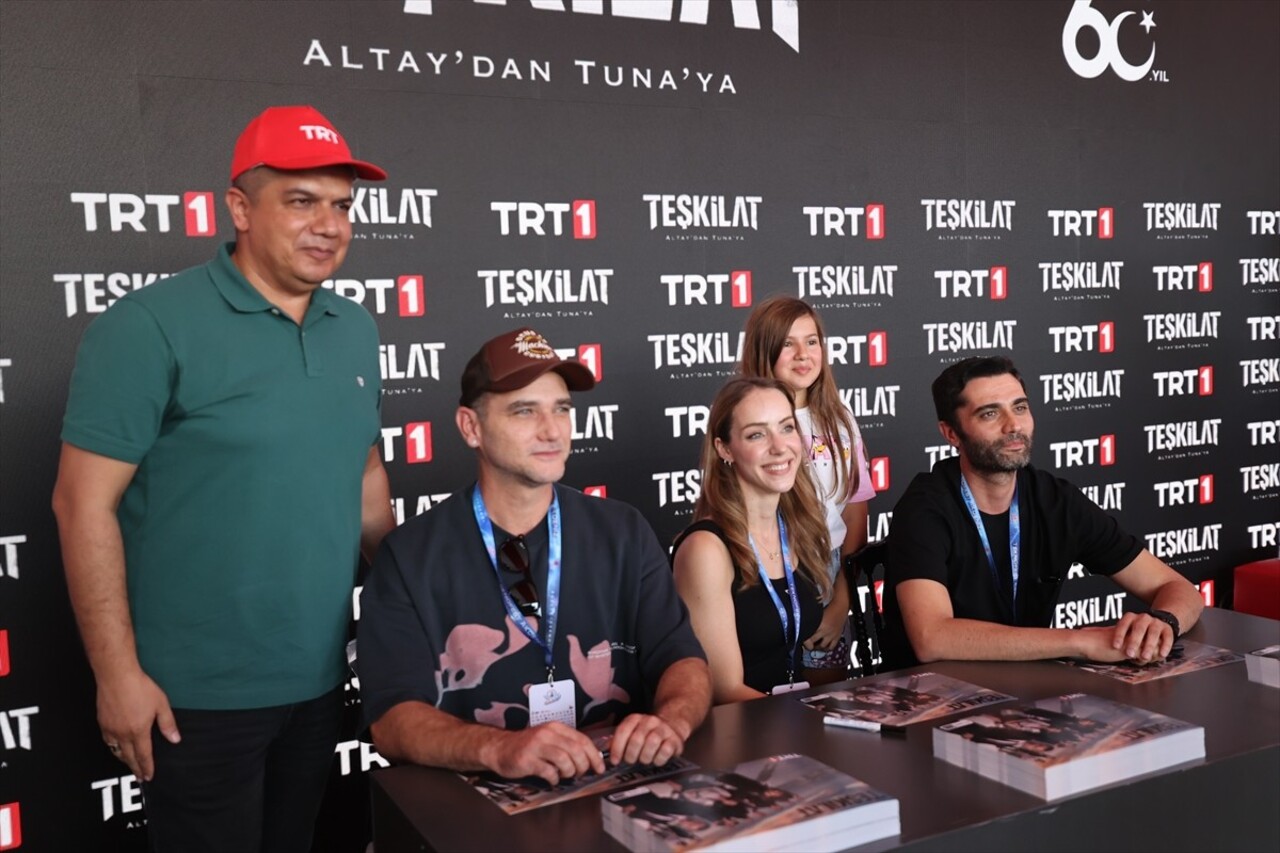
(1148, 21)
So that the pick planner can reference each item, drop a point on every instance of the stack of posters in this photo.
(1061, 746)
(784, 802)
(1264, 665)
(897, 701)
(1185, 656)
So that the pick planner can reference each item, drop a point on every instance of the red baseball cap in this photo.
(294, 138)
(515, 359)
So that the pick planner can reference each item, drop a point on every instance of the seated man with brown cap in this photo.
(497, 626)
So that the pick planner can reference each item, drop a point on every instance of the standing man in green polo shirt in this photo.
(219, 477)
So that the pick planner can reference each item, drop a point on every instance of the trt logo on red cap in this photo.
(1207, 592)
(595, 491)
(320, 132)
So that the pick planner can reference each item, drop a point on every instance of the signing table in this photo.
(1228, 801)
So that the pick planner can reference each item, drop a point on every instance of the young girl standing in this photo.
(785, 340)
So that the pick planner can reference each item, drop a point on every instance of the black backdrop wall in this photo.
(1092, 187)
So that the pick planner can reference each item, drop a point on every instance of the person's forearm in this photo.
(1181, 599)
(419, 733)
(93, 559)
(840, 592)
(683, 696)
(972, 639)
(376, 518)
(855, 536)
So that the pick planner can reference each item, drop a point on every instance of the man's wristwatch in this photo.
(1169, 619)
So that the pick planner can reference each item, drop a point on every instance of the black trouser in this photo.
(242, 781)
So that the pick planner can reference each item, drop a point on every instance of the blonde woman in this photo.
(752, 568)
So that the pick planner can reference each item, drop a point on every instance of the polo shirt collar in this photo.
(244, 297)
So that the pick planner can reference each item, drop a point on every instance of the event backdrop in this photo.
(1091, 187)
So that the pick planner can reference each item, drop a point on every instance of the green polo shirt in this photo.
(242, 523)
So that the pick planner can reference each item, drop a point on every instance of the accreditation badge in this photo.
(554, 701)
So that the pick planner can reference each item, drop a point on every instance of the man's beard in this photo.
(991, 458)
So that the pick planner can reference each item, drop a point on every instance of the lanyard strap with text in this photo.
(553, 575)
(1015, 538)
(789, 573)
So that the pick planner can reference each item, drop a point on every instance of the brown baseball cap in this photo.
(514, 359)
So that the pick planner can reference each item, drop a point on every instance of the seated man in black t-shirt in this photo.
(499, 624)
(979, 547)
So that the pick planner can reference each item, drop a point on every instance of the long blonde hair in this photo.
(722, 499)
(767, 329)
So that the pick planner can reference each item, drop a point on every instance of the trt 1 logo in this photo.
(1084, 223)
(1090, 451)
(591, 355)
(150, 212)
(1194, 381)
(879, 467)
(409, 292)
(535, 218)
(954, 284)
(417, 442)
(709, 289)
(842, 221)
(10, 826)
(1193, 490)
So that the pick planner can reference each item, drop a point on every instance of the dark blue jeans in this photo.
(242, 781)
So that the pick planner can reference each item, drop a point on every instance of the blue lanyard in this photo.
(789, 573)
(553, 574)
(1015, 537)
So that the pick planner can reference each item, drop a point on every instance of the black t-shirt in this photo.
(760, 639)
(433, 627)
(933, 537)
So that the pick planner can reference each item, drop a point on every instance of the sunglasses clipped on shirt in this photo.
(513, 557)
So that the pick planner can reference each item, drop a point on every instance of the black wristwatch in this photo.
(1169, 619)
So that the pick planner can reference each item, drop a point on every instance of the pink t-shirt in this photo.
(822, 466)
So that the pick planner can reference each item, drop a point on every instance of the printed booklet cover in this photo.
(521, 795)
(1264, 665)
(1066, 744)
(784, 802)
(900, 700)
(1185, 656)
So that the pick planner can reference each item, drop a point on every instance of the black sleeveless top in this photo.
(760, 639)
